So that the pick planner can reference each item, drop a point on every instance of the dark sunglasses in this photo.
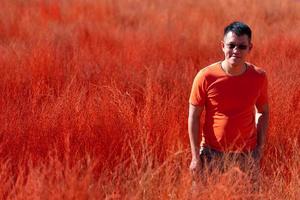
(241, 46)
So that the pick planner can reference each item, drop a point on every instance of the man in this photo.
(229, 91)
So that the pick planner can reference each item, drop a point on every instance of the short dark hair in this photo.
(239, 28)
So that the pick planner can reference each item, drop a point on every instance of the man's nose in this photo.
(236, 49)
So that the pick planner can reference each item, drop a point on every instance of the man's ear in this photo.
(250, 46)
(222, 44)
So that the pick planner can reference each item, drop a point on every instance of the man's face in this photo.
(236, 48)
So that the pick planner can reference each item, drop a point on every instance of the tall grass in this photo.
(94, 97)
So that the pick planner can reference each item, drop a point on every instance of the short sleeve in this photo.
(198, 93)
(263, 95)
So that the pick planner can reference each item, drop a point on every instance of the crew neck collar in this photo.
(230, 75)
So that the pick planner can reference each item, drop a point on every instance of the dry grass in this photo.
(94, 97)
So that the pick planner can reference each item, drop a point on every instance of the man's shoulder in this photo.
(257, 70)
(208, 70)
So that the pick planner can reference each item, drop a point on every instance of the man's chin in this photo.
(236, 62)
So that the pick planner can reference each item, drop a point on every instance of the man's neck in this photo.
(233, 70)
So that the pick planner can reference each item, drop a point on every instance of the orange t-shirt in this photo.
(229, 103)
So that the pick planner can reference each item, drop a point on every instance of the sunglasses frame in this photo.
(240, 46)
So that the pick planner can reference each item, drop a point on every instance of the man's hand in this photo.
(195, 169)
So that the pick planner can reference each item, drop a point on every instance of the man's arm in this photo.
(193, 129)
(262, 128)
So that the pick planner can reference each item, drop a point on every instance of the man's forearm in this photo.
(262, 128)
(194, 127)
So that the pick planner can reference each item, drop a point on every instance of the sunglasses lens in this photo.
(241, 47)
(231, 46)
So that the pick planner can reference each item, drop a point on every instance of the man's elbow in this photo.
(264, 110)
(194, 115)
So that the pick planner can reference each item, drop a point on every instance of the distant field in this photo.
(94, 96)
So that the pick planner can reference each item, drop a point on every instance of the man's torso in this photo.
(229, 108)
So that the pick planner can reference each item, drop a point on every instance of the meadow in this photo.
(94, 96)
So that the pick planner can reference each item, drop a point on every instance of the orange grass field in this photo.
(94, 96)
